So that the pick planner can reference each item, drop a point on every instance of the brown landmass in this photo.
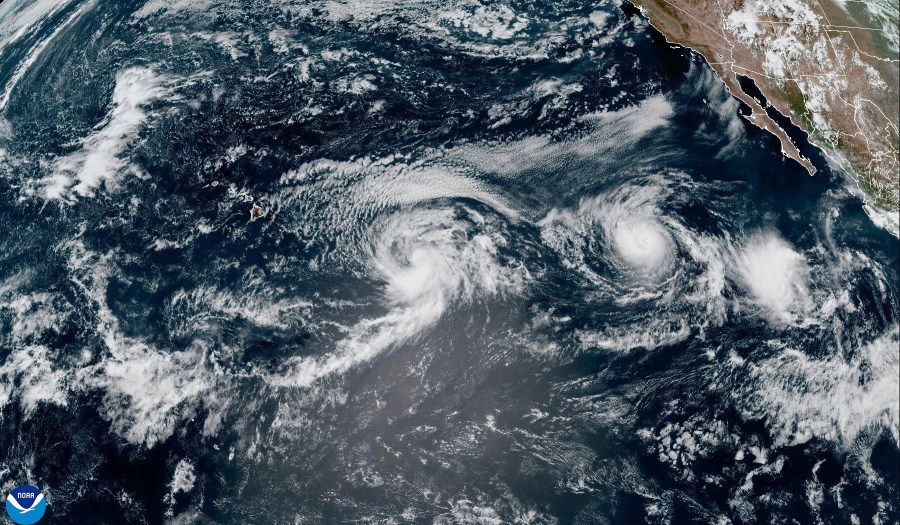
(831, 67)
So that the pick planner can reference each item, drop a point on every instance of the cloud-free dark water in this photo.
(516, 263)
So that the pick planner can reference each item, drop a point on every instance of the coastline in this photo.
(678, 27)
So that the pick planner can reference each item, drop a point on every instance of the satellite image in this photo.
(450, 262)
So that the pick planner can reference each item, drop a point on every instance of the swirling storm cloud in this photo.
(424, 262)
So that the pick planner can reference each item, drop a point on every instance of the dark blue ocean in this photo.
(424, 262)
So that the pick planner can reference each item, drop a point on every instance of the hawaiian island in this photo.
(830, 66)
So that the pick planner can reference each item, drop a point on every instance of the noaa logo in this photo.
(25, 505)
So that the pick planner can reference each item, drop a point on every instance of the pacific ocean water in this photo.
(517, 262)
